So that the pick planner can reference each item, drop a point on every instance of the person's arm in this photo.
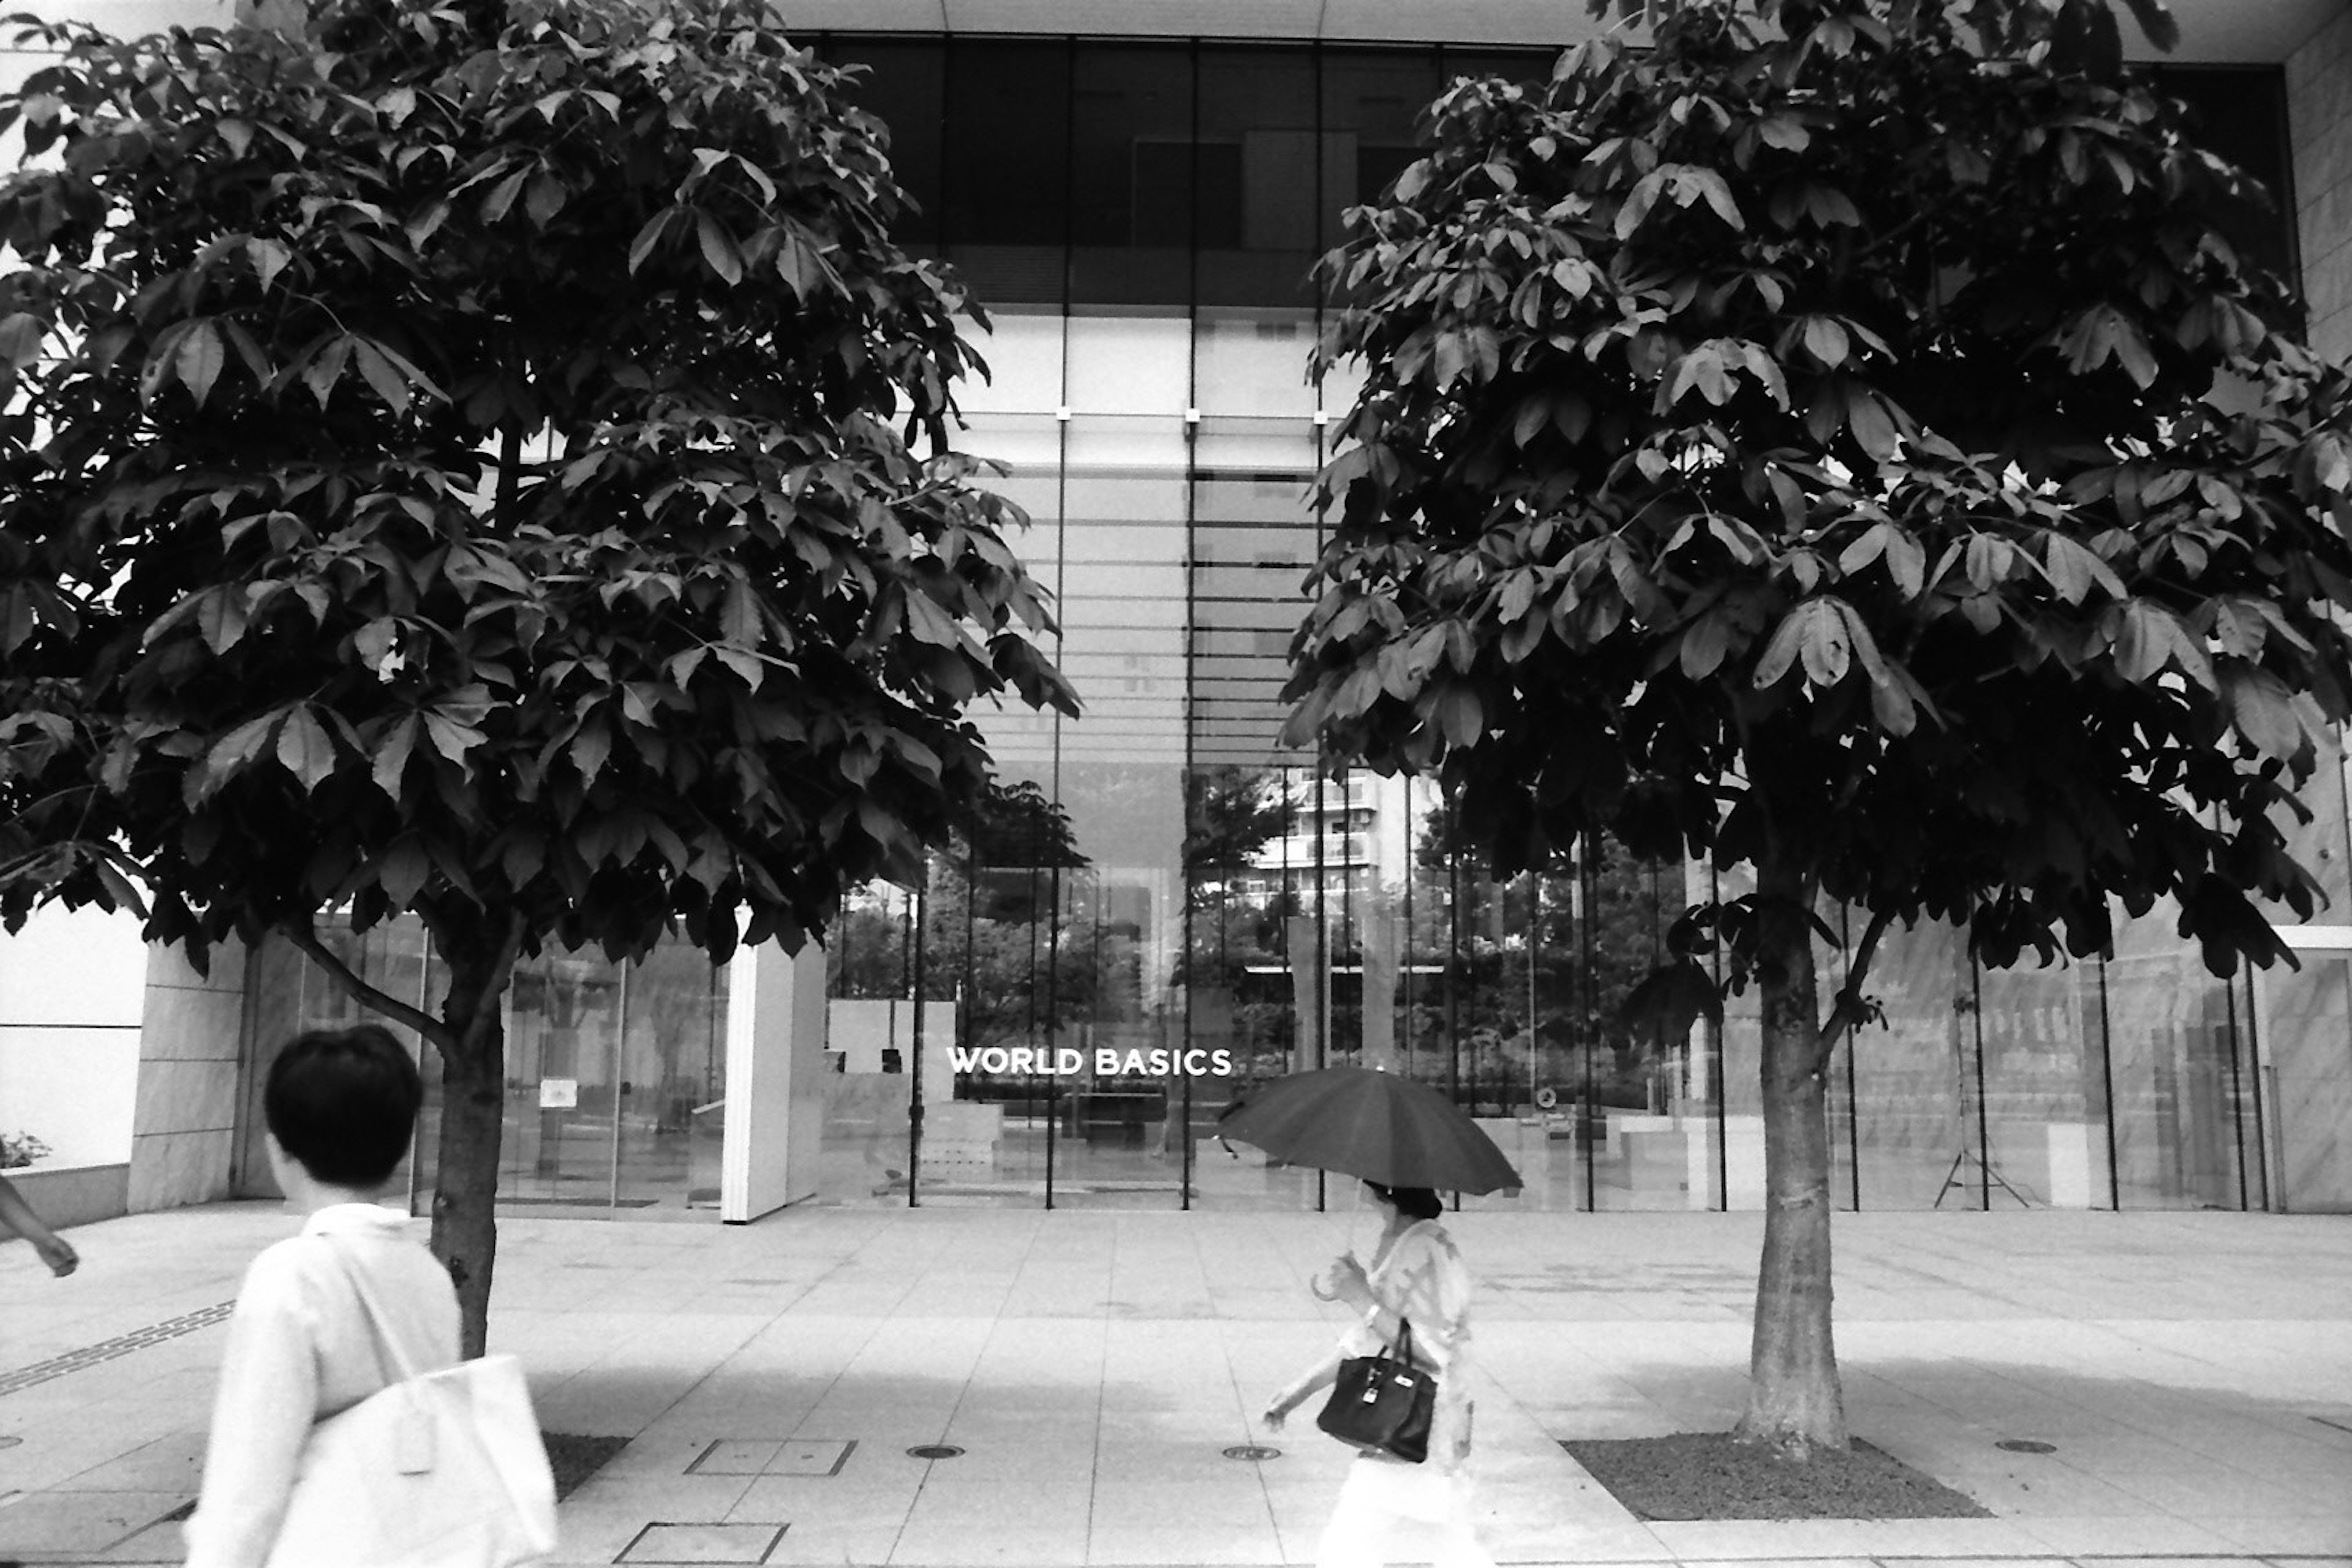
(18, 1215)
(262, 1411)
(1319, 1377)
(1428, 1285)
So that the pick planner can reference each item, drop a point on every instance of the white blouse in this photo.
(1421, 1279)
(300, 1348)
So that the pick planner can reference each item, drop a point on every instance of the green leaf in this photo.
(322, 374)
(21, 336)
(304, 749)
(502, 196)
(230, 755)
(648, 236)
(402, 870)
(2074, 570)
(1873, 425)
(379, 374)
(1459, 715)
(719, 251)
(390, 762)
(2152, 639)
(1704, 644)
(2266, 714)
(590, 749)
(1825, 339)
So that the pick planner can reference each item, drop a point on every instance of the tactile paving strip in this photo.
(120, 1345)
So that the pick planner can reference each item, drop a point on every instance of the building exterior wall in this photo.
(191, 1039)
(2319, 116)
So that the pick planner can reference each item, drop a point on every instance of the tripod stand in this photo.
(1992, 1178)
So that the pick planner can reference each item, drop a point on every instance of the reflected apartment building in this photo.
(1160, 906)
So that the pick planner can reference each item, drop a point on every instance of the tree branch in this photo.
(384, 1002)
(1847, 1013)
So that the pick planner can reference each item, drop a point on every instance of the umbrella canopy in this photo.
(1377, 1125)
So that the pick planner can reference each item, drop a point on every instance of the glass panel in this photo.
(2307, 1028)
(991, 1001)
(2045, 1102)
(1511, 65)
(1914, 1080)
(1131, 179)
(1006, 167)
(294, 995)
(2177, 1080)
(1254, 363)
(1122, 1120)
(1646, 1136)
(1372, 101)
(869, 1023)
(1255, 176)
(1236, 818)
(1131, 364)
(673, 1081)
(564, 1026)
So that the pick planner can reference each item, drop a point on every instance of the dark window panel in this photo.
(1372, 100)
(1131, 174)
(2240, 113)
(1511, 65)
(1258, 190)
(903, 88)
(1006, 217)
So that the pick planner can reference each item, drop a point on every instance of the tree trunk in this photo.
(1794, 1402)
(473, 1109)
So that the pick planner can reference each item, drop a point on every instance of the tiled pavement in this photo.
(2191, 1371)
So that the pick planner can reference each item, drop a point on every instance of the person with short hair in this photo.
(340, 1107)
(1417, 1276)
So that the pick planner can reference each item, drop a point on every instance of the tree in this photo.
(461, 463)
(1838, 442)
(1230, 813)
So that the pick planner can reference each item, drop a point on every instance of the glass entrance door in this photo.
(2307, 1082)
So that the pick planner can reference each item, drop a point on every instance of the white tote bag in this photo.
(441, 1469)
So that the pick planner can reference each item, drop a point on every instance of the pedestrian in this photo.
(339, 1106)
(18, 1215)
(1417, 1276)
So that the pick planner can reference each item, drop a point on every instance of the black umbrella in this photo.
(1377, 1125)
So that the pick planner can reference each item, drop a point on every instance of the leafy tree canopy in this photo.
(463, 461)
(466, 468)
(1838, 439)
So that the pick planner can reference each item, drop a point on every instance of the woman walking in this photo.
(1417, 1277)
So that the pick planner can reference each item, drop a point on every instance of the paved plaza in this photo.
(2191, 1372)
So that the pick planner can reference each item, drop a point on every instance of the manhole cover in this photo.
(1252, 1451)
(934, 1451)
(2026, 1446)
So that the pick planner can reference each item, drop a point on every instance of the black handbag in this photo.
(1383, 1404)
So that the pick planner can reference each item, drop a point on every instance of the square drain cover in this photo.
(730, 1543)
(773, 1457)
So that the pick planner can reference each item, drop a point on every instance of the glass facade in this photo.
(1158, 907)
(614, 1072)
